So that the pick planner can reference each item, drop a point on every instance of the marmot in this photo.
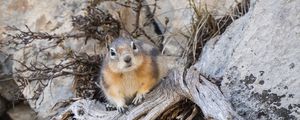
(130, 70)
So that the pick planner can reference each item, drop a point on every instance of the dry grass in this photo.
(183, 110)
(96, 24)
(205, 27)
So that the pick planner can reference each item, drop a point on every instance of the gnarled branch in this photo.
(172, 90)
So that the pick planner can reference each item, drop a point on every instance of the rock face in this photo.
(38, 15)
(258, 61)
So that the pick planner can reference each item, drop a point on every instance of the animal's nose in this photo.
(127, 59)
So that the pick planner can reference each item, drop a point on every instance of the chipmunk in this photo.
(129, 71)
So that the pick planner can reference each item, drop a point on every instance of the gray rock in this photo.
(258, 59)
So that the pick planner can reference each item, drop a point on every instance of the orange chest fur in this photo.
(135, 77)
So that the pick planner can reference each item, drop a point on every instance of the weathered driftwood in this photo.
(174, 88)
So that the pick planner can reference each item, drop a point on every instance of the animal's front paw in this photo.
(123, 109)
(110, 107)
(138, 99)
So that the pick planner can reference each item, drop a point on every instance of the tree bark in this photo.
(177, 86)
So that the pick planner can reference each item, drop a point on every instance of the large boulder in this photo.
(257, 60)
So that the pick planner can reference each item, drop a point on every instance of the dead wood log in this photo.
(173, 89)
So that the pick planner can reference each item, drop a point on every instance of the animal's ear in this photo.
(107, 47)
(108, 40)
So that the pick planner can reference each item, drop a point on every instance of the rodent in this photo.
(129, 71)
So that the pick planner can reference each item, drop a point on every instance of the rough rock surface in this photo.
(258, 61)
(38, 15)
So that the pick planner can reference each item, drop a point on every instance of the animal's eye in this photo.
(112, 52)
(133, 46)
